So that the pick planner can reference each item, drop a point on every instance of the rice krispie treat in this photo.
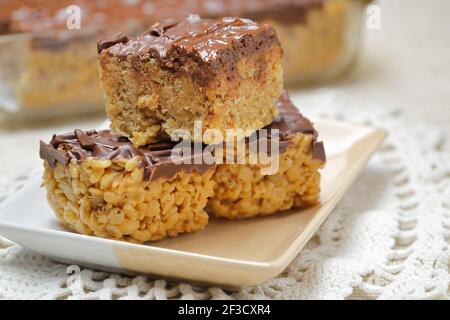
(225, 73)
(245, 190)
(99, 184)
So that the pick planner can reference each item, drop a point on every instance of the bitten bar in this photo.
(245, 191)
(99, 184)
(225, 73)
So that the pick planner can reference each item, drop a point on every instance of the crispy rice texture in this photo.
(241, 191)
(110, 199)
(145, 102)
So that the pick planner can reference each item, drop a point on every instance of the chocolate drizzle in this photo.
(107, 42)
(205, 38)
(290, 122)
(106, 145)
(201, 47)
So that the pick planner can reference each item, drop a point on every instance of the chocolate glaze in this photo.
(155, 158)
(80, 145)
(208, 46)
(290, 122)
(106, 42)
(42, 15)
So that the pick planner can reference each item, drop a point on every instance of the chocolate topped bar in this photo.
(224, 73)
(217, 43)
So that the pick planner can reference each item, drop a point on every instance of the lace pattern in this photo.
(387, 239)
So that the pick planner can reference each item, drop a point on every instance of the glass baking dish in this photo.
(52, 73)
(55, 73)
(42, 76)
(324, 44)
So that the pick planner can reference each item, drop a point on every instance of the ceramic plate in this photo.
(230, 254)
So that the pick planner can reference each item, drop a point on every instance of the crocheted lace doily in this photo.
(388, 238)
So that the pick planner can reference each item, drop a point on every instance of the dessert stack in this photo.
(193, 104)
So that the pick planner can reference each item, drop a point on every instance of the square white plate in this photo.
(231, 254)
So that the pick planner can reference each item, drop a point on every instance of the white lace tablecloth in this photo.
(388, 238)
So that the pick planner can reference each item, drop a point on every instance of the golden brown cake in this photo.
(99, 184)
(224, 73)
(245, 190)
